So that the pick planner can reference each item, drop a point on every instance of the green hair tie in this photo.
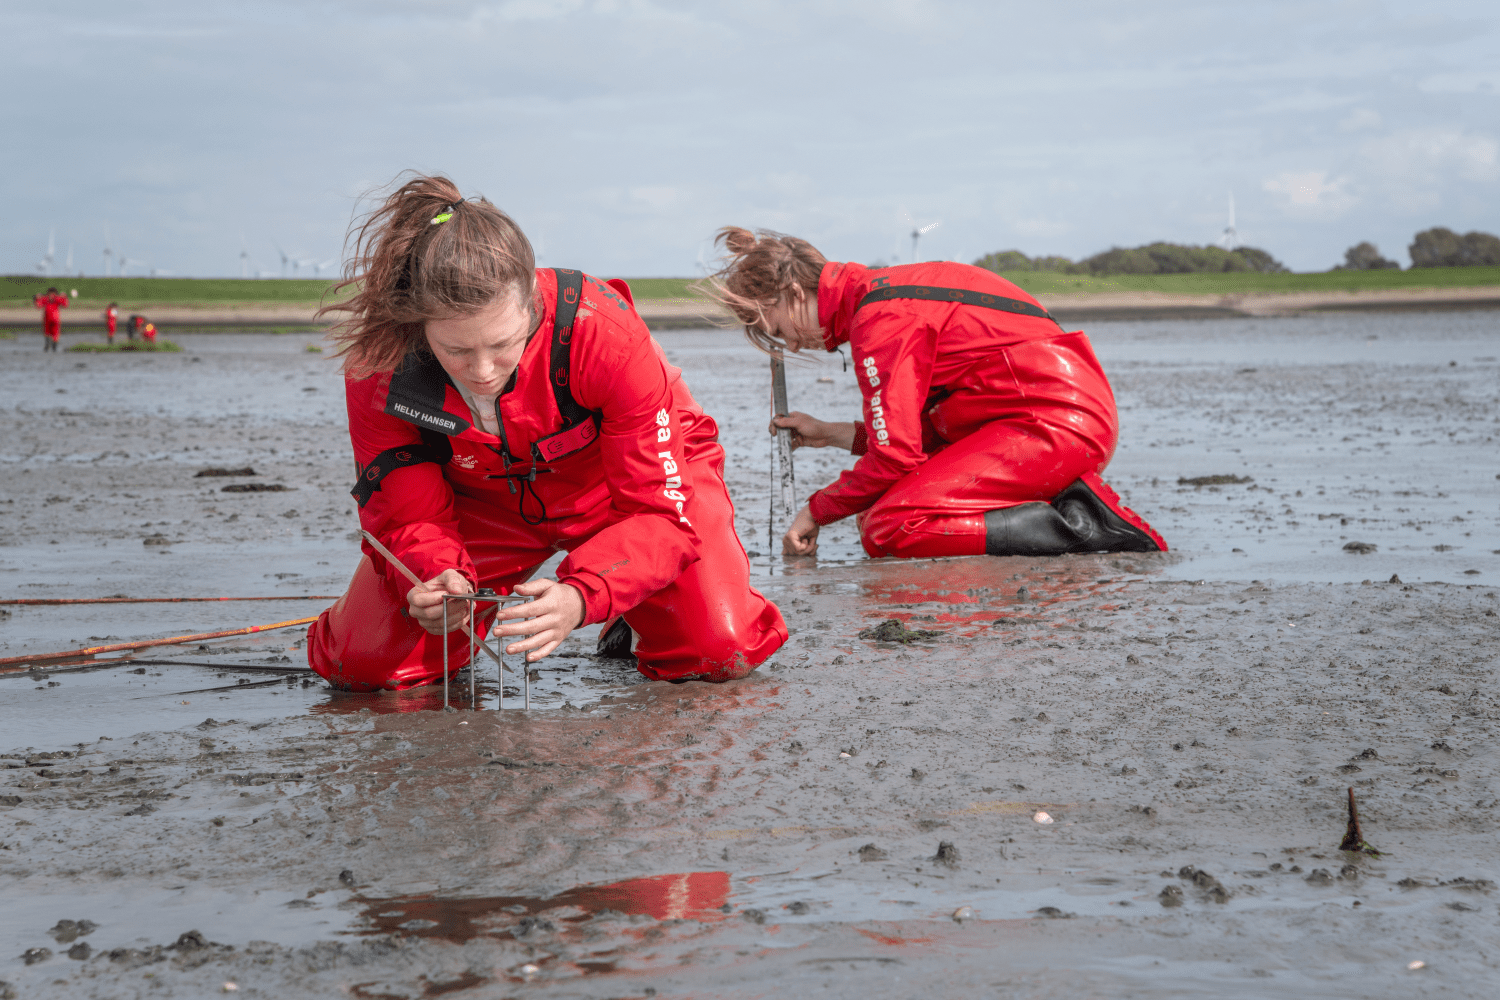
(444, 217)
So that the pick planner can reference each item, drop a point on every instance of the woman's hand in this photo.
(810, 432)
(801, 538)
(425, 603)
(557, 611)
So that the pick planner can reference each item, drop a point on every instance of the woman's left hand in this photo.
(801, 538)
(548, 620)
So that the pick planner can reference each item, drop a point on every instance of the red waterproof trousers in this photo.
(708, 624)
(968, 408)
(938, 508)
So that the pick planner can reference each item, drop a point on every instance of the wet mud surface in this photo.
(861, 816)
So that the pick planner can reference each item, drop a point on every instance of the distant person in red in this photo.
(985, 426)
(111, 317)
(51, 302)
(501, 413)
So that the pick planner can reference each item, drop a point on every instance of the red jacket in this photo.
(414, 441)
(49, 305)
(934, 369)
(111, 316)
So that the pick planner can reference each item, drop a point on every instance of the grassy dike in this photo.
(1250, 283)
(144, 294)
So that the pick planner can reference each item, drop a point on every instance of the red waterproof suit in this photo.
(974, 400)
(111, 317)
(51, 320)
(610, 460)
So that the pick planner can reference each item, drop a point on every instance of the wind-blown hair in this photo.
(407, 268)
(759, 269)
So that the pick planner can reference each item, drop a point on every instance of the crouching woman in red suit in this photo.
(501, 413)
(985, 424)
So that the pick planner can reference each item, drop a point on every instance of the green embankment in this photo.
(1247, 282)
(137, 293)
(140, 294)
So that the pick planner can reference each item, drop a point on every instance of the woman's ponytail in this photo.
(759, 269)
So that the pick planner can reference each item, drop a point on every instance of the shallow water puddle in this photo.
(132, 915)
(700, 896)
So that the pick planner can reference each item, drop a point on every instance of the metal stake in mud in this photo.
(784, 493)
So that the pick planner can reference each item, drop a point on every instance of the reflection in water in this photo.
(979, 587)
(688, 895)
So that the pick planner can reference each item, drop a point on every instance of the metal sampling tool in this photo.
(784, 493)
(487, 596)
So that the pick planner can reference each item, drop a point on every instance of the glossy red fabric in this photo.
(966, 409)
(642, 512)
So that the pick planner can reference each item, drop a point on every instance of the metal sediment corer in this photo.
(784, 491)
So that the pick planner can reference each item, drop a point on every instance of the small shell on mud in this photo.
(1042, 817)
(965, 913)
(843, 755)
(529, 970)
(1415, 965)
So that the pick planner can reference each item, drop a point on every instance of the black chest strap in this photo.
(435, 447)
(962, 296)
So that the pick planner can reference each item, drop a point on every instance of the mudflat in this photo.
(1110, 774)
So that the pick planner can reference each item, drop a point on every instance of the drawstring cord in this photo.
(527, 481)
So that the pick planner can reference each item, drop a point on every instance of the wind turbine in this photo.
(1231, 238)
(318, 268)
(68, 269)
(285, 260)
(127, 261)
(108, 253)
(917, 232)
(45, 264)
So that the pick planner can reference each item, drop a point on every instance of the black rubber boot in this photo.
(1098, 526)
(1028, 529)
(614, 642)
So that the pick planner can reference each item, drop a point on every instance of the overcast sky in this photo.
(621, 134)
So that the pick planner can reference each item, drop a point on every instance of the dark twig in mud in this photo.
(1353, 839)
(255, 488)
(247, 471)
(892, 630)
(1214, 480)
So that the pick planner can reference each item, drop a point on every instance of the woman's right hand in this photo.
(810, 432)
(425, 603)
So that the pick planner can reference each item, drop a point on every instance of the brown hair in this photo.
(408, 267)
(760, 268)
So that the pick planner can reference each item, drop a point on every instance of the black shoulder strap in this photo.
(962, 296)
(559, 367)
(435, 447)
(580, 426)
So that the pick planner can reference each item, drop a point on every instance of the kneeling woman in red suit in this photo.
(500, 413)
(985, 425)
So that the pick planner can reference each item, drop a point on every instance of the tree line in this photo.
(1436, 247)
